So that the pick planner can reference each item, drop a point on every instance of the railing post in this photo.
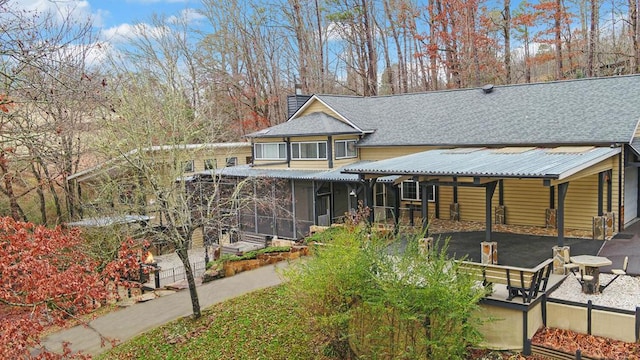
(589, 309)
(637, 323)
(578, 354)
(527, 347)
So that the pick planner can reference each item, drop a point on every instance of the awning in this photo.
(335, 175)
(509, 162)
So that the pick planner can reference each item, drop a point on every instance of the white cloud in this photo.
(188, 15)
(79, 10)
(157, 1)
(127, 32)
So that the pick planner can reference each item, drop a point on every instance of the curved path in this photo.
(129, 322)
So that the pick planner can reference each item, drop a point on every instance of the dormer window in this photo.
(346, 149)
(270, 151)
(309, 150)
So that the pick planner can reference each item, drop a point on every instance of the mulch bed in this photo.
(593, 347)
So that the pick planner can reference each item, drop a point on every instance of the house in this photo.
(559, 154)
(112, 191)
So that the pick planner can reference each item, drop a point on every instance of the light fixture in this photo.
(352, 193)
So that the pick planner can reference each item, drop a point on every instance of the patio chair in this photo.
(617, 273)
(568, 265)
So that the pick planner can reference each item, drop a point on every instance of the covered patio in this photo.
(490, 168)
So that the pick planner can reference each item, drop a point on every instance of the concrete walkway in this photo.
(126, 323)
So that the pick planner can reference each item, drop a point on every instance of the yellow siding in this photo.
(597, 168)
(317, 106)
(309, 164)
(381, 153)
(471, 202)
(343, 162)
(525, 201)
(445, 198)
(581, 203)
(309, 138)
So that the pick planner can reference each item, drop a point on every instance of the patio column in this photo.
(396, 207)
(369, 188)
(562, 193)
(600, 191)
(490, 189)
(424, 196)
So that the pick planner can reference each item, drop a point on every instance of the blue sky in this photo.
(113, 16)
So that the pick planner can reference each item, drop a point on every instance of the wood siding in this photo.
(317, 106)
(381, 153)
(525, 201)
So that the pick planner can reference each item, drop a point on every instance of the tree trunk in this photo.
(635, 36)
(40, 192)
(193, 291)
(372, 69)
(593, 34)
(557, 18)
(506, 15)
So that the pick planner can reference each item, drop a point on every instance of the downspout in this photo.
(287, 141)
(620, 206)
(330, 151)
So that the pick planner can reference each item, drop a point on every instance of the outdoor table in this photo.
(591, 264)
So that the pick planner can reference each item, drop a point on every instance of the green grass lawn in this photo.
(261, 325)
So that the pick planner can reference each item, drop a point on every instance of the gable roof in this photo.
(586, 111)
(317, 123)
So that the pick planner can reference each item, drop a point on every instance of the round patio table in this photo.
(590, 265)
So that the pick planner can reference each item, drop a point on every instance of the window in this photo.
(411, 191)
(309, 150)
(270, 151)
(232, 161)
(346, 149)
(187, 166)
(210, 164)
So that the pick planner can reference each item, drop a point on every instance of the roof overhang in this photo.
(509, 162)
(331, 175)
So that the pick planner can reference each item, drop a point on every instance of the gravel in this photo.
(623, 293)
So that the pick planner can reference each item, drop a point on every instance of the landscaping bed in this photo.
(563, 344)
(230, 265)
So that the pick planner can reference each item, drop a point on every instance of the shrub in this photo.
(371, 295)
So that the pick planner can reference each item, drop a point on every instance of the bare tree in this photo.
(51, 92)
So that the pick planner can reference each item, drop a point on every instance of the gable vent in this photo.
(487, 88)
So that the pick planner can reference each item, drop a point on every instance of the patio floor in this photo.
(514, 249)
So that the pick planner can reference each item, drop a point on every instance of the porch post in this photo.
(490, 189)
(369, 187)
(424, 196)
(600, 191)
(562, 193)
(396, 207)
(293, 208)
(609, 190)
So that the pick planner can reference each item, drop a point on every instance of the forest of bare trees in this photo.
(233, 68)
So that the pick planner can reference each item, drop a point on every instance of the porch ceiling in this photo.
(513, 162)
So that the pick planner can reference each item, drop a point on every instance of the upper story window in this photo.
(270, 151)
(309, 150)
(187, 166)
(232, 161)
(210, 164)
(346, 149)
(411, 191)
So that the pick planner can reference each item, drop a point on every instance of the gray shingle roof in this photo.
(586, 111)
(313, 124)
(519, 163)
